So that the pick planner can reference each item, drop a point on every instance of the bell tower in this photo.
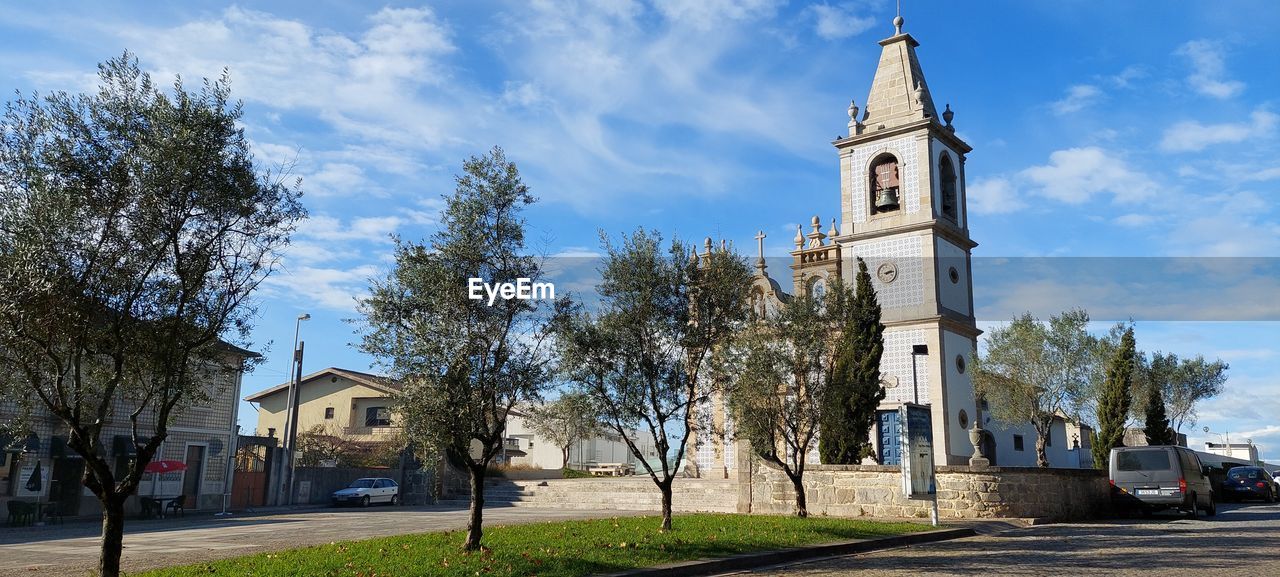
(902, 198)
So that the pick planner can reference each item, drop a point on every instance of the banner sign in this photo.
(917, 451)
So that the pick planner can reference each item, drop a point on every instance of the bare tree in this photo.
(133, 229)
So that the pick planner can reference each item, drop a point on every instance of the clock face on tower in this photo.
(887, 272)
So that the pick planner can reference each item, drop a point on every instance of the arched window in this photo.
(818, 289)
(884, 184)
(948, 183)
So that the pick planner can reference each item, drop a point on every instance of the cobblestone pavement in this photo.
(72, 549)
(1244, 539)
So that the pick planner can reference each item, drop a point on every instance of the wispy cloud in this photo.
(1208, 69)
(1078, 98)
(1192, 135)
(839, 21)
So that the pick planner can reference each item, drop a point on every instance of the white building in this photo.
(523, 447)
(1247, 452)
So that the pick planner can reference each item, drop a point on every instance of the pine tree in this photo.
(855, 390)
(1114, 400)
(1157, 426)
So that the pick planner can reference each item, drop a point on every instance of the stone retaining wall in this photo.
(963, 492)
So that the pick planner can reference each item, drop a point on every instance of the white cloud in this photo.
(1135, 220)
(707, 14)
(994, 196)
(1078, 98)
(330, 288)
(1208, 69)
(1191, 135)
(838, 22)
(1076, 175)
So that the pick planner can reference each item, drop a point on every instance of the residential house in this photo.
(350, 405)
(202, 436)
(523, 447)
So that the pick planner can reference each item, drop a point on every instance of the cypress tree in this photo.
(1114, 400)
(854, 391)
(1157, 428)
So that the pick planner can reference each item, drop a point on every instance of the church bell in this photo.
(887, 199)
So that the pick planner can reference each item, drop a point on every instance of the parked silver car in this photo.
(368, 490)
(1161, 477)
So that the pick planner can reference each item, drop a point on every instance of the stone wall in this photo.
(963, 492)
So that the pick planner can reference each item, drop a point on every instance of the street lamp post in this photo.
(1226, 437)
(295, 378)
(916, 350)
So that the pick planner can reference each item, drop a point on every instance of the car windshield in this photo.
(1243, 473)
(361, 484)
(1148, 460)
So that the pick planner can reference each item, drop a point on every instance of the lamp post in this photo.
(295, 378)
(916, 350)
(1226, 437)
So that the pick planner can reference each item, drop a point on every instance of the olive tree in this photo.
(565, 421)
(134, 227)
(465, 363)
(643, 357)
(1033, 371)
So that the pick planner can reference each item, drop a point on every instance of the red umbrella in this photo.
(165, 467)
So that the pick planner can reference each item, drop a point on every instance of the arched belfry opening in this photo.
(885, 184)
(948, 183)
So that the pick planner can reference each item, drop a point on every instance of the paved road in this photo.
(1241, 540)
(72, 549)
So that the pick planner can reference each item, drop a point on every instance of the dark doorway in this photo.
(65, 483)
(989, 447)
(195, 472)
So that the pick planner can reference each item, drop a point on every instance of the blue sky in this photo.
(1100, 129)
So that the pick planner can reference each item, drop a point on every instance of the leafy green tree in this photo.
(1033, 371)
(643, 358)
(464, 363)
(134, 226)
(1114, 400)
(565, 421)
(849, 407)
(785, 373)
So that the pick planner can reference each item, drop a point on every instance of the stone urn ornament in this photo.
(979, 459)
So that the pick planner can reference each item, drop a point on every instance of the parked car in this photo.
(1160, 477)
(366, 491)
(1249, 483)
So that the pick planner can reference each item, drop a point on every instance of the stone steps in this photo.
(632, 494)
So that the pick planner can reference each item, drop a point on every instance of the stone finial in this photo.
(693, 256)
(917, 95)
(947, 115)
(897, 25)
(706, 244)
(815, 237)
(724, 247)
(799, 239)
(855, 126)
(834, 231)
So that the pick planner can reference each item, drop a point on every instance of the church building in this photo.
(903, 211)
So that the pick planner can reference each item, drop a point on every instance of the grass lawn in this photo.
(560, 549)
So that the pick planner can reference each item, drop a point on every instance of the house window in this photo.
(377, 417)
(328, 412)
(948, 183)
(884, 184)
(1017, 442)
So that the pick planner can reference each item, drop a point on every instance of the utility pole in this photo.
(293, 419)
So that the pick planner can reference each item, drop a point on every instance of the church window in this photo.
(885, 184)
(964, 419)
(954, 275)
(818, 289)
(758, 307)
(1017, 442)
(960, 363)
(948, 183)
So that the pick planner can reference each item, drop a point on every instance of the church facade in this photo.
(903, 211)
